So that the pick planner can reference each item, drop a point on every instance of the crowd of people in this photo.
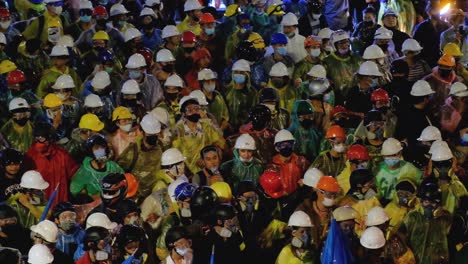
(268, 131)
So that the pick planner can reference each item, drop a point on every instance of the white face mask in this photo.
(133, 220)
(225, 232)
(185, 212)
(5, 25)
(166, 138)
(316, 16)
(326, 97)
(315, 53)
(328, 48)
(52, 114)
(369, 194)
(340, 148)
(182, 251)
(126, 128)
(177, 170)
(57, 10)
(327, 202)
(209, 87)
(246, 160)
(271, 107)
(101, 255)
(343, 51)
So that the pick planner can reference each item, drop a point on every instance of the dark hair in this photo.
(188, 102)
(369, 9)
(207, 149)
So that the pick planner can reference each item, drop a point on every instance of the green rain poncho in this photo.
(387, 179)
(287, 94)
(307, 139)
(87, 178)
(20, 138)
(452, 192)
(218, 108)
(239, 103)
(328, 164)
(341, 71)
(237, 171)
(49, 78)
(25, 217)
(302, 68)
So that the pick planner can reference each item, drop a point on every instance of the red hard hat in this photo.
(357, 152)
(147, 54)
(338, 109)
(100, 11)
(16, 77)
(207, 18)
(271, 183)
(189, 37)
(380, 95)
(4, 12)
(329, 184)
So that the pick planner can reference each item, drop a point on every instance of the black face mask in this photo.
(152, 140)
(194, 118)
(444, 73)
(189, 50)
(278, 83)
(15, 93)
(168, 68)
(286, 152)
(171, 96)
(257, 126)
(367, 23)
(101, 23)
(307, 123)
(195, 18)
(384, 47)
(129, 102)
(21, 122)
(148, 27)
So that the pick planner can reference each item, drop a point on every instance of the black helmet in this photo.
(373, 116)
(62, 207)
(7, 211)
(173, 234)
(359, 177)
(203, 200)
(225, 212)
(45, 130)
(315, 6)
(126, 207)
(246, 50)
(96, 139)
(128, 234)
(245, 186)
(10, 156)
(429, 190)
(114, 188)
(93, 235)
(268, 95)
(260, 116)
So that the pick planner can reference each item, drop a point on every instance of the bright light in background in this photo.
(445, 9)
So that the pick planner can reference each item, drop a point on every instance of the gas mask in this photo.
(36, 198)
(429, 211)
(300, 242)
(152, 140)
(67, 225)
(177, 170)
(406, 201)
(134, 220)
(340, 148)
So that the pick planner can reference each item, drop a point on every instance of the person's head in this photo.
(374, 121)
(442, 161)
(136, 66)
(171, 35)
(165, 60)
(284, 143)
(147, 20)
(101, 220)
(289, 23)
(269, 98)
(85, 11)
(182, 194)
(151, 129)
(123, 118)
(244, 24)
(190, 109)
(40, 254)
(399, 69)
(312, 44)
(211, 157)
(453, 49)
(63, 87)
(130, 94)
(428, 136)
(223, 191)
(259, 117)
(118, 15)
(421, 93)
(345, 217)
(362, 184)
(59, 56)
(20, 111)
(8, 216)
(433, 9)
(391, 152)
(207, 24)
(247, 196)
(189, 42)
(368, 15)
(106, 61)
(341, 43)
(456, 17)
(258, 43)
(430, 197)
(98, 239)
(207, 80)
(5, 18)
(459, 94)
(390, 18)
(377, 217)
(114, 188)
(336, 135)
(380, 100)
(172, 88)
(358, 157)
(97, 148)
(304, 112)
(245, 146)
(325, 35)
(64, 215)
(411, 48)
(446, 65)
(193, 10)
(11, 161)
(129, 239)
(172, 161)
(375, 53)
(45, 232)
(128, 213)
(202, 58)
(240, 72)
(44, 135)
(368, 76)
(327, 191)
(300, 224)
(226, 217)
(177, 241)
(133, 38)
(54, 7)
(406, 193)
(278, 42)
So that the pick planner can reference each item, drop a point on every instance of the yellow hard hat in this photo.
(223, 191)
(22, 47)
(452, 49)
(446, 60)
(275, 9)
(7, 66)
(257, 40)
(91, 122)
(232, 10)
(52, 100)
(101, 35)
(121, 113)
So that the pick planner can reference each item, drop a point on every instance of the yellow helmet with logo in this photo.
(257, 40)
(275, 9)
(101, 35)
(232, 10)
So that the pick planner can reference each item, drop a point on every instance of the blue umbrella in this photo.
(129, 260)
(336, 249)
(212, 255)
(49, 203)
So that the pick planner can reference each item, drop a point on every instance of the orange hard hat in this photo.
(335, 131)
(133, 185)
(329, 184)
(312, 40)
(447, 60)
(380, 95)
(207, 18)
(357, 152)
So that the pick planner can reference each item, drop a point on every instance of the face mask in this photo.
(278, 83)
(316, 16)
(126, 128)
(209, 87)
(343, 51)
(249, 205)
(5, 25)
(85, 19)
(328, 48)
(315, 53)
(444, 73)
(464, 138)
(307, 123)
(62, 96)
(185, 212)
(193, 118)
(286, 152)
(171, 96)
(405, 201)
(245, 29)
(68, 225)
(225, 232)
(290, 35)
(195, 18)
(51, 114)
(391, 162)
(101, 22)
(109, 70)
(134, 74)
(102, 255)
(57, 10)
(282, 51)
(296, 242)
(152, 140)
(340, 148)
(129, 102)
(239, 78)
(182, 251)
(327, 97)
(374, 83)
(384, 47)
(271, 107)
(121, 23)
(100, 154)
(428, 211)
(369, 194)
(209, 31)
(327, 202)
(368, 23)
(21, 122)
(177, 170)
(103, 2)
(168, 68)
(189, 50)
(246, 160)
(133, 220)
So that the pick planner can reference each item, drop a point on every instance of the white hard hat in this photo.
(172, 187)
(376, 216)
(161, 115)
(169, 31)
(51, 1)
(64, 81)
(344, 213)
(93, 100)
(312, 176)
(391, 146)
(118, 9)
(372, 238)
(206, 74)
(437, 144)
(164, 55)
(136, 61)
(40, 254)
(186, 98)
(100, 219)
(3, 39)
(59, 51)
(132, 33)
(325, 33)
(245, 141)
(130, 87)
(337, 36)
(441, 153)
(278, 70)
(86, 4)
(150, 124)
(369, 68)
(299, 219)
(200, 96)
(284, 135)
(192, 5)
(318, 71)
(66, 41)
(18, 103)
(147, 12)
(171, 156)
(174, 80)
(33, 180)
(411, 45)
(421, 88)
(48, 230)
(383, 33)
(459, 89)
(101, 80)
(241, 65)
(430, 133)
(290, 19)
(152, 2)
(373, 52)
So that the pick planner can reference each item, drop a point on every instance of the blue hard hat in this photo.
(184, 190)
(279, 38)
(105, 56)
